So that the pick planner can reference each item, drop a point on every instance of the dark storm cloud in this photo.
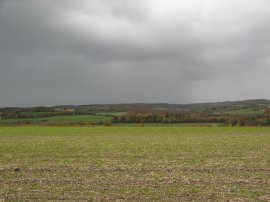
(80, 52)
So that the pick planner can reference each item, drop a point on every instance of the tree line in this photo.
(189, 117)
(168, 118)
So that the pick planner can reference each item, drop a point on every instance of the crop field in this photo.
(131, 163)
(58, 120)
(246, 111)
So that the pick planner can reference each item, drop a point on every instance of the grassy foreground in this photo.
(134, 163)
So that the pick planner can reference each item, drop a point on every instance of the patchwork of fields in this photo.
(59, 120)
(134, 163)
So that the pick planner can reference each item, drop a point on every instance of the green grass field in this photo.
(134, 163)
(245, 111)
(58, 120)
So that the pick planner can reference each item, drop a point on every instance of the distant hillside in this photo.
(246, 112)
(245, 106)
(231, 107)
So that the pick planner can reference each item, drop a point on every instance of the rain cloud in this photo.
(56, 52)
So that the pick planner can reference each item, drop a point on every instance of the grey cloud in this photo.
(83, 52)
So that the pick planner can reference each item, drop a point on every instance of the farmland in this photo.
(59, 120)
(237, 113)
(135, 163)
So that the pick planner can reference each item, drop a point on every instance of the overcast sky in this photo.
(56, 52)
